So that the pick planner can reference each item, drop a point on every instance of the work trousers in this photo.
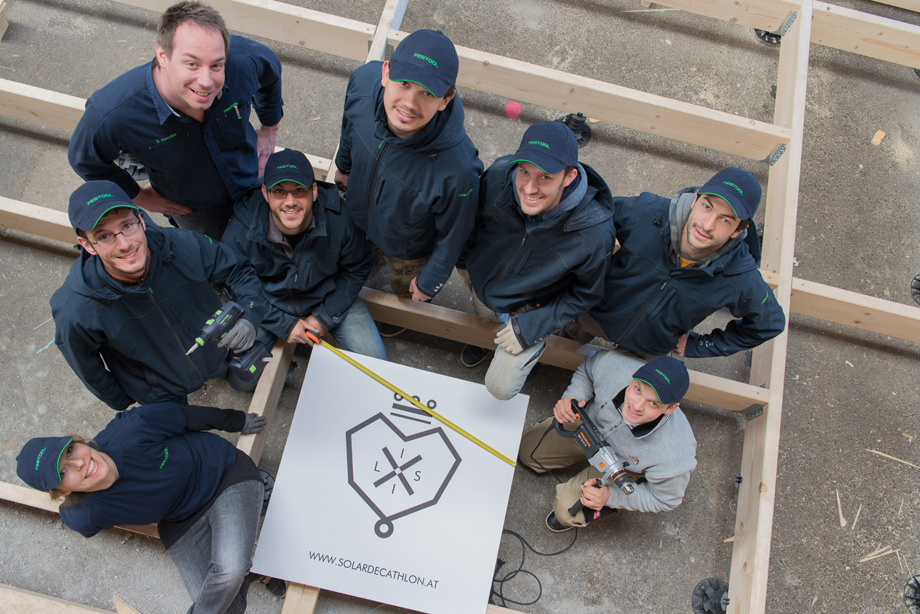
(214, 555)
(402, 272)
(542, 451)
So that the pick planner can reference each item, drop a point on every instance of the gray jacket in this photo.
(664, 451)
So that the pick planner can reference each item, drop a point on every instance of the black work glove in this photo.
(254, 423)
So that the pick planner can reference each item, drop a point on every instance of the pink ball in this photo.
(513, 109)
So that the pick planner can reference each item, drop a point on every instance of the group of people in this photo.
(538, 239)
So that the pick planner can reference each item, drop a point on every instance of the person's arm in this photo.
(760, 318)
(224, 267)
(656, 494)
(267, 101)
(355, 263)
(343, 154)
(585, 290)
(80, 348)
(93, 148)
(454, 221)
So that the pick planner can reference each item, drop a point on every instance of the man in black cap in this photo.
(410, 172)
(138, 296)
(183, 120)
(639, 416)
(681, 260)
(311, 258)
(537, 256)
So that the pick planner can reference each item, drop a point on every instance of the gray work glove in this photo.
(239, 338)
(254, 423)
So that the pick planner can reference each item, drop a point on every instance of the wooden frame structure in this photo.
(801, 22)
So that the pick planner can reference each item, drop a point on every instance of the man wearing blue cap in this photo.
(538, 254)
(312, 259)
(410, 172)
(639, 416)
(182, 121)
(681, 260)
(138, 296)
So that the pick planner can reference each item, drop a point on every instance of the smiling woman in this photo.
(152, 465)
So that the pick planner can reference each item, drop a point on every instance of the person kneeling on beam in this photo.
(639, 416)
(151, 465)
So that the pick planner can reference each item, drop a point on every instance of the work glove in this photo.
(254, 423)
(465, 278)
(508, 340)
(239, 338)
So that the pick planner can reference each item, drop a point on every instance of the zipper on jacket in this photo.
(642, 311)
(516, 252)
(370, 185)
(175, 335)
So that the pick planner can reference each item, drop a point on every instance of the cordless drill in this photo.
(247, 366)
(599, 453)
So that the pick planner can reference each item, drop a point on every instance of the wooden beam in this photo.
(43, 106)
(618, 105)
(907, 5)
(265, 398)
(123, 607)
(20, 601)
(852, 308)
(4, 24)
(36, 220)
(286, 23)
(869, 35)
(761, 14)
(566, 353)
(300, 599)
(747, 589)
(390, 19)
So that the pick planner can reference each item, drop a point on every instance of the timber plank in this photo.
(300, 599)
(21, 601)
(39, 105)
(265, 398)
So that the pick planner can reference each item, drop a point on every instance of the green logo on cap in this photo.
(730, 184)
(665, 377)
(165, 457)
(427, 59)
(540, 143)
(287, 166)
(39, 459)
(91, 201)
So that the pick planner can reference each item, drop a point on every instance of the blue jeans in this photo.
(214, 555)
(358, 332)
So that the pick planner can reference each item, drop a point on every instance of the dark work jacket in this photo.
(142, 332)
(167, 470)
(649, 303)
(198, 165)
(413, 197)
(558, 267)
(328, 268)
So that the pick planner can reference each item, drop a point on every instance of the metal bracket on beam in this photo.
(387, 50)
(787, 23)
(753, 411)
(776, 154)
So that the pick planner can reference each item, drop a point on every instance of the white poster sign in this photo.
(375, 498)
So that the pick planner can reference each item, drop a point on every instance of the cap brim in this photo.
(727, 197)
(294, 180)
(544, 163)
(402, 71)
(102, 215)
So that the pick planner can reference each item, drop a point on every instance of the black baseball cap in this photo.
(667, 376)
(39, 462)
(92, 200)
(550, 146)
(288, 165)
(737, 187)
(428, 58)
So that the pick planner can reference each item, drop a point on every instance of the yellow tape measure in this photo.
(409, 398)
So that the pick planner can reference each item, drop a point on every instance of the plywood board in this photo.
(368, 484)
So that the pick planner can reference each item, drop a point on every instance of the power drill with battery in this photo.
(249, 365)
(599, 453)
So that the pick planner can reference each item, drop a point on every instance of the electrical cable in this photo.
(499, 594)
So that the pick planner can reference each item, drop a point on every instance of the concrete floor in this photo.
(847, 391)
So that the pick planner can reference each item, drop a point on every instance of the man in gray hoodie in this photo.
(639, 416)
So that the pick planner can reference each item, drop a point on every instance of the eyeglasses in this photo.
(127, 229)
(281, 193)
